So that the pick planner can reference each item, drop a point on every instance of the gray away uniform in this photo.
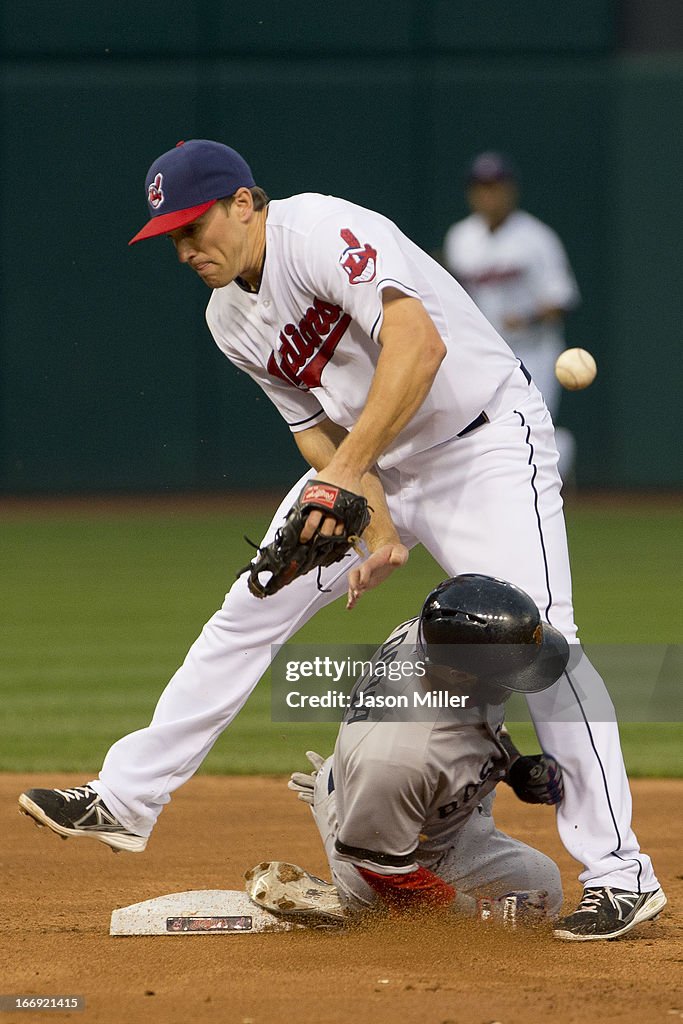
(401, 793)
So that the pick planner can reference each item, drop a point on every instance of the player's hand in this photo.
(318, 522)
(303, 784)
(375, 569)
(536, 779)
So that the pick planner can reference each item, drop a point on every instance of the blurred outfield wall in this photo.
(109, 379)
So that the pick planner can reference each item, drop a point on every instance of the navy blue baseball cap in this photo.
(184, 183)
(489, 167)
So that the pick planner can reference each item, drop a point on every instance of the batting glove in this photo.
(304, 784)
(536, 779)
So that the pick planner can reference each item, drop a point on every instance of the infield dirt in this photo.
(58, 897)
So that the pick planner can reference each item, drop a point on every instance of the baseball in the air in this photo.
(575, 369)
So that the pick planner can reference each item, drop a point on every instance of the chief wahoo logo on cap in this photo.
(155, 193)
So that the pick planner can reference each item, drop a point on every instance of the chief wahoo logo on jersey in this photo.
(359, 261)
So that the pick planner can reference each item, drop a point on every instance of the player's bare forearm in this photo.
(412, 351)
(381, 530)
(318, 446)
(387, 552)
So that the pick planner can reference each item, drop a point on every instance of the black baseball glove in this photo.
(286, 558)
(536, 779)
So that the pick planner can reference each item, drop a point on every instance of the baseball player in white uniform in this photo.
(404, 804)
(516, 269)
(395, 386)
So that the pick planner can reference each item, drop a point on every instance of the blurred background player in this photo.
(516, 269)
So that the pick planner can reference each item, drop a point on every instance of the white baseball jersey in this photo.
(403, 785)
(310, 335)
(515, 270)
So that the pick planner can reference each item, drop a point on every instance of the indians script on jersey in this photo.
(305, 348)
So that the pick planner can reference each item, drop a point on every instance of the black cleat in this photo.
(79, 812)
(606, 913)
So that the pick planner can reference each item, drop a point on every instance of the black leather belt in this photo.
(482, 418)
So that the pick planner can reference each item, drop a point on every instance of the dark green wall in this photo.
(110, 380)
(646, 315)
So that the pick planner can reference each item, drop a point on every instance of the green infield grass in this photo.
(99, 608)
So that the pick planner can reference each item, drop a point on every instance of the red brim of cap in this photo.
(170, 221)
